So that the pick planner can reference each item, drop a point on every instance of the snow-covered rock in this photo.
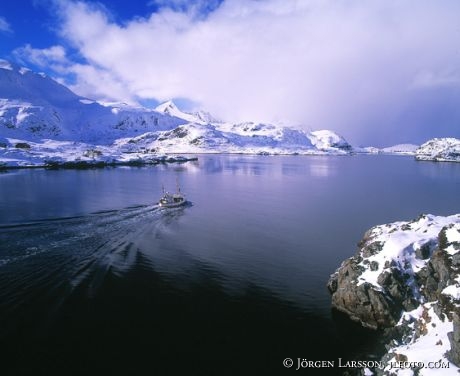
(327, 140)
(439, 150)
(404, 276)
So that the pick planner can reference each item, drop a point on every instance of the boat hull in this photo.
(171, 205)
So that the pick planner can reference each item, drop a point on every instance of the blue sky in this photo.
(379, 72)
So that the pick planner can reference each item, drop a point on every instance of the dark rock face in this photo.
(437, 275)
(22, 145)
(454, 337)
(373, 308)
(361, 303)
(425, 250)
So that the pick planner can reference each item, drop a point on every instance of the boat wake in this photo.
(52, 258)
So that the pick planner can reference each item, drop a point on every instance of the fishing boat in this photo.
(172, 200)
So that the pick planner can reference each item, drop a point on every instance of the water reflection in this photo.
(323, 167)
(234, 164)
(273, 166)
(439, 170)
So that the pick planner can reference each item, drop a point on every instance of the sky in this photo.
(378, 72)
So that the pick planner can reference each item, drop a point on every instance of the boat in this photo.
(172, 200)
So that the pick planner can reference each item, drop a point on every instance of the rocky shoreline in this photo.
(404, 281)
(66, 155)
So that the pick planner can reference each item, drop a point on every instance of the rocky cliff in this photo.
(404, 279)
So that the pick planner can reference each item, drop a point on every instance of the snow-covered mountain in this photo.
(225, 138)
(35, 108)
(204, 133)
(439, 149)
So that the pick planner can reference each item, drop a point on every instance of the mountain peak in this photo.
(171, 109)
(167, 107)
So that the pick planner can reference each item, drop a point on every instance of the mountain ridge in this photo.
(35, 107)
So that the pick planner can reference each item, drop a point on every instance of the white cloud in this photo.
(89, 80)
(322, 63)
(54, 55)
(93, 82)
(5, 26)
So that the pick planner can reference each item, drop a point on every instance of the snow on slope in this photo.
(427, 350)
(211, 138)
(439, 149)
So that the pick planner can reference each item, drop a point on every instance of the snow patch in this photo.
(24, 70)
(86, 101)
(429, 347)
(452, 291)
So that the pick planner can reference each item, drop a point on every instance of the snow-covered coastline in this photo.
(148, 148)
(405, 279)
(55, 154)
(43, 122)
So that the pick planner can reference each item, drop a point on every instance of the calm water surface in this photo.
(95, 279)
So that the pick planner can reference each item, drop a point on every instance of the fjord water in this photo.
(96, 279)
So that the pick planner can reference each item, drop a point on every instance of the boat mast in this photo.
(177, 185)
